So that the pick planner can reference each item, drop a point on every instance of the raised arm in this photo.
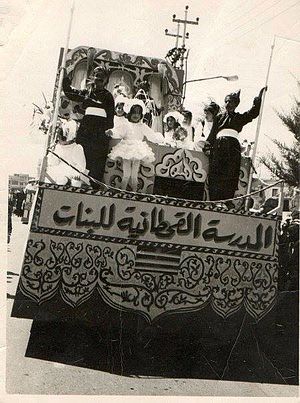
(72, 93)
(253, 112)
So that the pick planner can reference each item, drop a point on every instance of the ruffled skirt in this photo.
(135, 150)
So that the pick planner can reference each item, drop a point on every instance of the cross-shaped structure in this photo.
(177, 53)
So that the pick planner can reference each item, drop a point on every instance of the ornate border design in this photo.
(139, 66)
(76, 268)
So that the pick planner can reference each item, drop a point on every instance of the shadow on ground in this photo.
(200, 345)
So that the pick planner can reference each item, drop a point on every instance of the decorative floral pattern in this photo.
(75, 268)
(183, 164)
(137, 66)
(169, 162)
(114, 173)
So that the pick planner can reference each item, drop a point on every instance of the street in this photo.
(34, 376)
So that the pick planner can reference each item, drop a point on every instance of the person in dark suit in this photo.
(93, 132)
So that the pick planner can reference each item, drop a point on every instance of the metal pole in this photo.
(259, 123)
(288, 39)
(177, 35)
(184, 25)
(184, 35)
(52, 125)
(185, 72)
(201, 79)
(281, 199)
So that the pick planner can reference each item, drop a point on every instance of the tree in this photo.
(287, 167)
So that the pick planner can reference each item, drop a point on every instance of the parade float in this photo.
(109, 258)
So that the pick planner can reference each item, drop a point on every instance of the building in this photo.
(269, 199)
(18, 181)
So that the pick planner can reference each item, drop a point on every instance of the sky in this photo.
(233, 37)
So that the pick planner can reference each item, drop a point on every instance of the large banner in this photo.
(153, 255)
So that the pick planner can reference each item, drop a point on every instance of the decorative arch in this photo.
(121, 77)
(136, 66)
(80, 75)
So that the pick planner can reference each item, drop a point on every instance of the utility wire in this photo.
(242, 3)
(252, 29)
(281, 37)
(234, 20)
(252, 18)
(270, 19)
(262, 12)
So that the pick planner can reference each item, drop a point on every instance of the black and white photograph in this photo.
(150, 199)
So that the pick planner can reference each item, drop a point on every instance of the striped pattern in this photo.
(10, 276)
(162, 261)
(170, 248)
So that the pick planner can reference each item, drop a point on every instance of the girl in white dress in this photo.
(120, 120)
(172, 121)
(71, 152)
(210, 111)
(133, 149)
(188, 142)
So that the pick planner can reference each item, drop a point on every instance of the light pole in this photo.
(227, 78)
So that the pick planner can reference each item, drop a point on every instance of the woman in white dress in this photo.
(133, 149)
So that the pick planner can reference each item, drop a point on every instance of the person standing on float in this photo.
(133, 148)
(210, 112)
(93, 131)
(225, 149)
